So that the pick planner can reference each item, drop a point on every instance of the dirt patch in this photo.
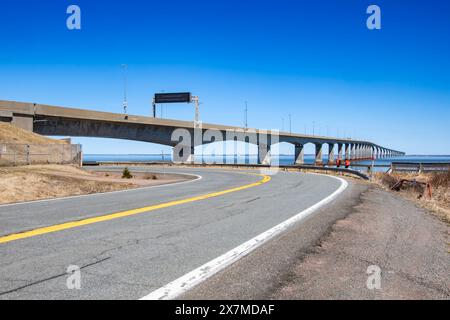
(36, 182)
(436, 199)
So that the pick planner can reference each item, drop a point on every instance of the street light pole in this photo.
(290, 124)
(245, 119)
(125, 102)
(162, 105)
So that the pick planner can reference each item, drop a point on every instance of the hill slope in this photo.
(14, 135)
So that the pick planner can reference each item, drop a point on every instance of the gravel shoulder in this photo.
(327, 256)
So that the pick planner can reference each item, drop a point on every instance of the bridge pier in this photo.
(183, 155)
(299, 153)
(340, 151)
(347, 151)
(331, 160)
(264, 154)
(318, 160)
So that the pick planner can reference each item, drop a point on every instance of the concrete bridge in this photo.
(61, 121)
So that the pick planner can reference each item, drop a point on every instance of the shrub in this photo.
(149, 176)
(126, 174)
(440, 179)
(388, 180)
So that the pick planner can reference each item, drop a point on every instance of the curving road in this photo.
(129, 257)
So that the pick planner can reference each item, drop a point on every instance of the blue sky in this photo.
(315, 60)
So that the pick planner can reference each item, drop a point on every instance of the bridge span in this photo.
(62, 121)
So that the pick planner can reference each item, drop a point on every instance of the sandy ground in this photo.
(37, 182)
(410, 247)
(327, 256)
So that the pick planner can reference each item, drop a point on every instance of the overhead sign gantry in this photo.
(176, 97)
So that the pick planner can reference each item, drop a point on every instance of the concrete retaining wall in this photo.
(24, 154)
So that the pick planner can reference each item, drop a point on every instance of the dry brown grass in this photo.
(439, 202)
(50, 181)
(35, 182)
(14, 135)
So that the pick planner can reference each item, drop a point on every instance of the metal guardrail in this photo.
(24, 154)
(419, 167)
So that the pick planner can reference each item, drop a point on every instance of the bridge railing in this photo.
(24, 154)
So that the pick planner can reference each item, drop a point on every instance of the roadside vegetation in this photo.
(36, 182)
(126, 174)
(429, 190)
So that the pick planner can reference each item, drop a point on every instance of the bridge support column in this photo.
(347, 151)
(318, 159)
(356, 152)
(299, 154)
(183, 155)
(264, 154)
(331, 160)
(340, 152)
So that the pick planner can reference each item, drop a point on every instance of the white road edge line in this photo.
(197, 178)
(193, 278)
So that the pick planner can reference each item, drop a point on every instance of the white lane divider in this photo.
(193, 278)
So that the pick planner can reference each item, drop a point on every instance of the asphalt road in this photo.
(129, 257)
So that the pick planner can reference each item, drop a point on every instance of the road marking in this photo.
(197, 178)
(193, 278)
(88, 221)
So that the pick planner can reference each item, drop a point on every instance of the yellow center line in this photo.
(84, 222)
